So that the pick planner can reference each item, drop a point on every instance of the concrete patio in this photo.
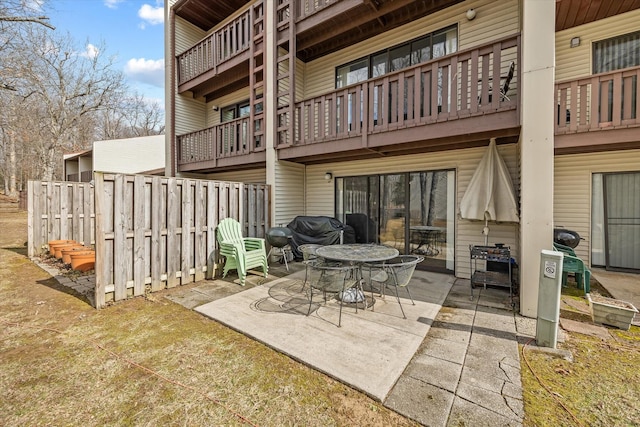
(369, 351)
(452, 360)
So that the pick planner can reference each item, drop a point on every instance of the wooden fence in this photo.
(59, 210)
(151, 233)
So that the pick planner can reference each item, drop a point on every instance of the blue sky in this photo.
(131, 30)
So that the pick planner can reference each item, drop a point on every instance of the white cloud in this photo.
(91, 51)
(112, 4)
(148, 71)
(152, 15)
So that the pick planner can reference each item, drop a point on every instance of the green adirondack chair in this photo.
(241, 253)
(572, 264)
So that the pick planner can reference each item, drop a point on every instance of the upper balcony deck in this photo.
(607, 102)
(321, 27)
(223, 54)
(447, 102)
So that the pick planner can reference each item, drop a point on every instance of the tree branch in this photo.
(36, 19)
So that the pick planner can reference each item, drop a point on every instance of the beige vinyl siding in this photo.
(252, 176)
(187, 35)
(290, 191)
(495, 19)
(300, 71)
(321, 192)
(576, 62)
(572, 189)
(190, 114)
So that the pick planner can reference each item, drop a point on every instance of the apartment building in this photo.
(379, 112)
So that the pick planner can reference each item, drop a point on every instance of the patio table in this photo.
(357, 255)
(427, 236)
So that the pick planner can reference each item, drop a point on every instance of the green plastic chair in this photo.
(241, 253)
(572, 264)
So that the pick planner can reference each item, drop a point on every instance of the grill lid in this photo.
(279, 236)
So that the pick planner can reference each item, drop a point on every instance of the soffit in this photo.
(206, 14)
(571, 13)
(364, 20)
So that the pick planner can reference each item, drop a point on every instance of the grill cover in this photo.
(319, 230)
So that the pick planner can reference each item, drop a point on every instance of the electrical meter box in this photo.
(549, 298)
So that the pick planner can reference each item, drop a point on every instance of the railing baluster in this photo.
(573, 123)
(225, 43)
(617, 99)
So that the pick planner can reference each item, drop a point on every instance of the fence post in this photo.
(101, 269)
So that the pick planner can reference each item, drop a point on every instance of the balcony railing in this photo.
(306, 8)
(218, 47)
(229, 139)
(449, 88)
(86, 176)
(602, 101)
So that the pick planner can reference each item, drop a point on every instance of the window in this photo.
(234, 112)
(616, 53)
(430, 46)
(352, 73)
(235, 135)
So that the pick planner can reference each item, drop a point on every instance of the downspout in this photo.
(170, 93)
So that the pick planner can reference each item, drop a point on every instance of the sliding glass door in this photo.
(615, 221)
(413, 212)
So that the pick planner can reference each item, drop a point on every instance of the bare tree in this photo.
(133, 116)
(65, 85)
(14, 14)
(20, 11)
(60, 97)
(145, 117)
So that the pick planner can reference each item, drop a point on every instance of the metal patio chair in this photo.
(396, 272)
(507, 82)
(241, 253)
(331, 279)
(308, 256)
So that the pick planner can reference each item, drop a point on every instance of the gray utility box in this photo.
(549, 287)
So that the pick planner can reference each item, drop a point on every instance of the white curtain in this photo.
(597, 221)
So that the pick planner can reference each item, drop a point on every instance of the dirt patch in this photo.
(611, 301)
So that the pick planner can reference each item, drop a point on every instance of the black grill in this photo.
(566, 237)
(279, 237)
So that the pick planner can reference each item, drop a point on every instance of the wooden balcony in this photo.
(447, 102)
(306, 8)
(219, 52)
(322, 26)
(86, 176)
(598, 112)
(234, 144)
